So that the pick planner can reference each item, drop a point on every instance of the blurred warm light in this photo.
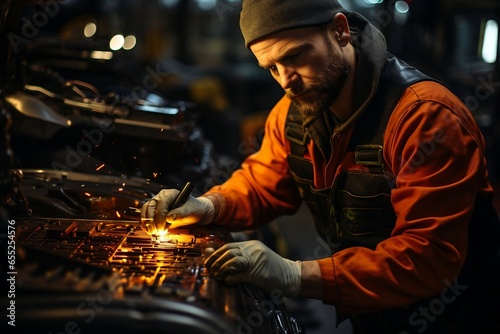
(100, 167)
(116, 43)
(103, 55)
(490, 42)
(90, 29)
(129, 42)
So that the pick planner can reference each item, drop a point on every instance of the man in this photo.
(391, 165)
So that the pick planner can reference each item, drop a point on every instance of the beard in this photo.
(319, 96)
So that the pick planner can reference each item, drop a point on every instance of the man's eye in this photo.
(272, 68)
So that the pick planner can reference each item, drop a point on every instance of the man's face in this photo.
(309, 65)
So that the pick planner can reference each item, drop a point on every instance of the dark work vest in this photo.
(356, 210)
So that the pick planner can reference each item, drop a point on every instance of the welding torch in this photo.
(182, 196)
(147, 224)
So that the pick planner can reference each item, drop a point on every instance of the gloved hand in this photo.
(159, 217)
(253, 263)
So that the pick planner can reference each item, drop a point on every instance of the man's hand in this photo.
(157, 211)
(253, 263)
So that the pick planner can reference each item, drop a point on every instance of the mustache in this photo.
(298, 90)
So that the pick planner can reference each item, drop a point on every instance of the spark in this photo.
(100, 167)
(160, 237)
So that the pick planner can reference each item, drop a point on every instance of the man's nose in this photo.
(288, 76)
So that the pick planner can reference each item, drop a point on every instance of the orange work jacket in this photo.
(435, 150)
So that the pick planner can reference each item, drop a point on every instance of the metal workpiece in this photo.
(112, 270)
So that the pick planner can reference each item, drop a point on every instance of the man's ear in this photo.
(340, 26)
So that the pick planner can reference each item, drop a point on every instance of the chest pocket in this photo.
(362, 211)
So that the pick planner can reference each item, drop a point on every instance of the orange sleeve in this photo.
(262, 189)
(436, 152)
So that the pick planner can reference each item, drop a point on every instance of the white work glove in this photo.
(156, 213)
(253, 263)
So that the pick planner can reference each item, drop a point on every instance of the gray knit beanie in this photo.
(259, 18)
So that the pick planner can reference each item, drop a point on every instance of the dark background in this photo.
(196, 48)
